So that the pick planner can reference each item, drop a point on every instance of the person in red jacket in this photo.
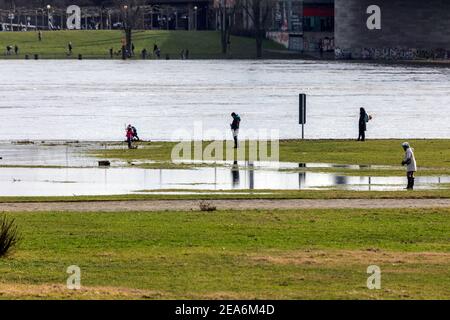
(130, 135)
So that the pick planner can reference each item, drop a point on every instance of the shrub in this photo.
(207, 206)
(9, 236)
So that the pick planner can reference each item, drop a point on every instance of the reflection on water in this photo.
(104, 181)
(236, 180)
(79, 175)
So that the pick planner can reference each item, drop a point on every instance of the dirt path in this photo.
(186, 205)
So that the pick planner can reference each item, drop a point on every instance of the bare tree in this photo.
(258, 11)
(226, 10)
(131, 14)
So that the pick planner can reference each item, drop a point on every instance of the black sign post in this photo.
(302, 112)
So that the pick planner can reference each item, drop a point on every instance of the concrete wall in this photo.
(409, 29)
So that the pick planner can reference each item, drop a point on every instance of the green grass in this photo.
(433, 156)
(243, 194)
(96, 44)
(310, 254)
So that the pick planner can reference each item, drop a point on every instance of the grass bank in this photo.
(310, 254)
(433, 155)
(95, 44)
(244, 194)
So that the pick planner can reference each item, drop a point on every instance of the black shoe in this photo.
(411, 186)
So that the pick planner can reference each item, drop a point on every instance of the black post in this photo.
(302, 112)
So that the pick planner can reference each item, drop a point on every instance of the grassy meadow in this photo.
(296, 254)
(95, 44)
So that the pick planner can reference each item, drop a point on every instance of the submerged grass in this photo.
(307, 254)
(433, 156)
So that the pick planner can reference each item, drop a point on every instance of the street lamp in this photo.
(48, 15)
(195, 17)
(11, 18)
(125, 7)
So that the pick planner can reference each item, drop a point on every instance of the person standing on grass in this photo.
(235, 128)
(410, 162)
(70, 47)
(40, 35)
(135, 134)
(364, 118)
(129, 135)
(16, 49)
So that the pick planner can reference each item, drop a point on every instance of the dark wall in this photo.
(406, 24)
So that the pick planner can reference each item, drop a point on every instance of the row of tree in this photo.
(256, 12)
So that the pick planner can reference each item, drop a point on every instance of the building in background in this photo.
(304, 25)
(156, 14)
(392, 29)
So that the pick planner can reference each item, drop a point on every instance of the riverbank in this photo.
(95, 44)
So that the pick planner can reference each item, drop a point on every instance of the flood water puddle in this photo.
(76, 174)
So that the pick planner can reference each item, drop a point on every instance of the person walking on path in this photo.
(156, 51)
(410, 162)
(70, 47)
(129, 135)
(364, 118)
(235, 128)
(144, 54)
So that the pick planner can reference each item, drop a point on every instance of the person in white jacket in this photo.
(410, 161)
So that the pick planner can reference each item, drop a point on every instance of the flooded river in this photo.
(94, 100)
(59, 169)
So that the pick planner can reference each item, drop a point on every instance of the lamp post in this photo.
(125, 23)
(11, 18)
(195, 17)
(49, 7)
(126, 46)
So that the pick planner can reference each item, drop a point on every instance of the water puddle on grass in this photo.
(108, 181)
(76, 174)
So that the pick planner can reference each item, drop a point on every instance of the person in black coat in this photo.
(363, 119)
(235, 128)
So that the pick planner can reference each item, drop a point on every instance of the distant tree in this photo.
(131, 15)
(258, 11)
(226, 10)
